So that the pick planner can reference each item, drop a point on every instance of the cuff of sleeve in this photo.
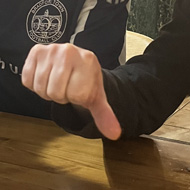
(72, 121)
(121, 98)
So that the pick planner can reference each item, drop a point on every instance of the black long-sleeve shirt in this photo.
(97, 25)
(144, 92)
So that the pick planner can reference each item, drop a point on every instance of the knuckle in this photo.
(25, 78)
(68, 48)
(89, 55)
(52, 47)
(37, 48)
(91, 59)
(62, 51)
(25, 81)
(51, 51)
(35, 52)
(25, 71)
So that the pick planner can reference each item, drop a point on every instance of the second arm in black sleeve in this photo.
(151, 86)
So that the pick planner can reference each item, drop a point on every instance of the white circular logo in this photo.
(46, 21)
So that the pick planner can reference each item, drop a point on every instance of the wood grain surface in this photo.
(37, 155)
(177, 126)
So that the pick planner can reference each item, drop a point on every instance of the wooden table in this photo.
(37, 155)
(177, 126)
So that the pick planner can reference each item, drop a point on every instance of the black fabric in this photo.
(154, 84)
(111, 35)
(71, 120)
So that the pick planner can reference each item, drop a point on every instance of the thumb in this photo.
(106, 120)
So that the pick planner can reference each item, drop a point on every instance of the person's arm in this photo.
(151, 86)
(145, 91)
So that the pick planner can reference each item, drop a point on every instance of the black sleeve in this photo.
(144, 92)
(151, 86)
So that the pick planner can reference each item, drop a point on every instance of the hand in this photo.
(65, 73)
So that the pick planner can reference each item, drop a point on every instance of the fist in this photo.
(65, 73)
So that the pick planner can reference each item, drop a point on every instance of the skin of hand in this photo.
(65, 73)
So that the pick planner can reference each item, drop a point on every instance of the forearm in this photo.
(154, 84)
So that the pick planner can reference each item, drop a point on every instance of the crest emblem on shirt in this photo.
(46, 21)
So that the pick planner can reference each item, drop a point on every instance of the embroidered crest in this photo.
(46, 21)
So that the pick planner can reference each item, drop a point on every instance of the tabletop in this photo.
(36, 154)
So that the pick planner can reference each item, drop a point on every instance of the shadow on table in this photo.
(134, 165)
(37, 155)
